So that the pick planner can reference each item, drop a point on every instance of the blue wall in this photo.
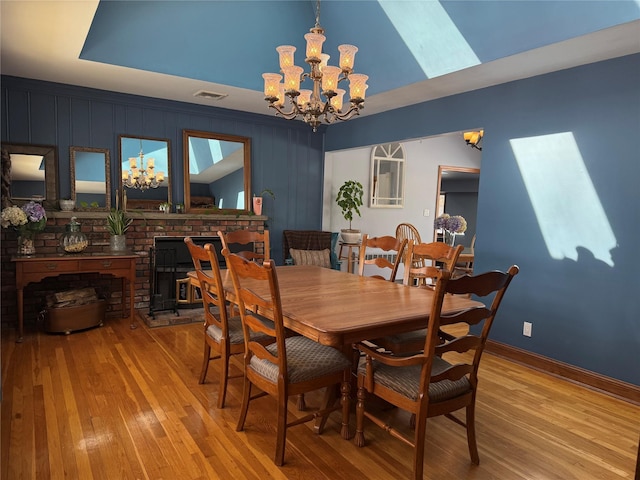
(286, 156)
(584, 311)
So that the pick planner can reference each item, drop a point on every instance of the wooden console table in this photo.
(38, 267)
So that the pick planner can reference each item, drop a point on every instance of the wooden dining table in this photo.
(338, 308)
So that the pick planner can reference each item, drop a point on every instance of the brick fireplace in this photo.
(140, 239)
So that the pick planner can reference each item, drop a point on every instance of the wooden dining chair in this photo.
(391, 246)
(419, 255)
(408, 232)
(222, 332)
(246, 243)
(465, 268)
(290, 365)
(435, 256)
(444, 377)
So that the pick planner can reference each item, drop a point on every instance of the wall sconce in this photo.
(473, 139)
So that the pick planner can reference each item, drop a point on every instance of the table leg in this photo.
(20, 315)
(132, 300)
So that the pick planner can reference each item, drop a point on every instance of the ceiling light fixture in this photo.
(308, 103)
(473, 139)
(140, 177)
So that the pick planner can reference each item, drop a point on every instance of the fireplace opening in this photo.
(170, 261)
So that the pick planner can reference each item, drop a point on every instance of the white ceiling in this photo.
(43, 40)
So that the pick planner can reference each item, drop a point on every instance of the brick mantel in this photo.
(145, 226)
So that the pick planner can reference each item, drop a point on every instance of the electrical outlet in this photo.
(526, 329)
(425, 212)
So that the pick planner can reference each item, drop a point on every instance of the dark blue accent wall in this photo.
(286, 156)
(584, 312)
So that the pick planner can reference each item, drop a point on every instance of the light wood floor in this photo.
(115, 403)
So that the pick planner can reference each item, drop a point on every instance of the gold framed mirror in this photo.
(90, 172)
(457, 181)
(217, 172)
(29, 172)
(144, 172)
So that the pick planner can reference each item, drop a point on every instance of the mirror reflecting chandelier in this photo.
(140, 177)
(309, 104)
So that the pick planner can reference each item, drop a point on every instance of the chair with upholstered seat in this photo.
(246, 243)
(288, 366)
(222, 333)
(387, 246)
(444, 377)
(435, 253)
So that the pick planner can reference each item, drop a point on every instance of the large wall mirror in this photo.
(458, 195)
(145, 167)
(29, 172)
(90, 177)
(217, 171)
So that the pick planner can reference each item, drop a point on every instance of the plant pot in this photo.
(67, 205)
(257, 205)
(118, 243)
(350, 235)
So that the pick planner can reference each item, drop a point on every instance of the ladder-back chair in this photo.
(444, 377)
(246, 243)
(290, 365)
(391, 246)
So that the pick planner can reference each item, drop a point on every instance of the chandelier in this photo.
(140, 177)
(473, 139)
(309, 104)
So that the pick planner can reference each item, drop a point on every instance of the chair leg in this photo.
(205, 362)
(471, 433)
(224, 376)
(245, 404)
(302, 406)
(346, 406)
(419, 440)
(281, 435)
(359, 438)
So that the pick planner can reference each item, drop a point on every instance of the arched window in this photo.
(387, 176)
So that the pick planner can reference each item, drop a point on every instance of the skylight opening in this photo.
(563, 197)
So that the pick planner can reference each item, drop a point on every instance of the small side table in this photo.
(350, 255)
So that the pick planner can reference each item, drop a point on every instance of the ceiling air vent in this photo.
(209, 95)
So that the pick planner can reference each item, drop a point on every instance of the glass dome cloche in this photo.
(74, 241)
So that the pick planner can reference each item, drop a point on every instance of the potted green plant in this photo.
(349, 199)
(257, 200)
(117, 225)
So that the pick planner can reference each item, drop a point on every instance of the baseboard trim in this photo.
(611, 386)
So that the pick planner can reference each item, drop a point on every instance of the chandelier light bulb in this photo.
(292, 78)
(314, 45)
(357, 86)
(347, 56)
(286, 55)
(271, 84)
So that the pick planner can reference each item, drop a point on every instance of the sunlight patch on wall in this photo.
(563, 197)
(431, 36)
(203, 154)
